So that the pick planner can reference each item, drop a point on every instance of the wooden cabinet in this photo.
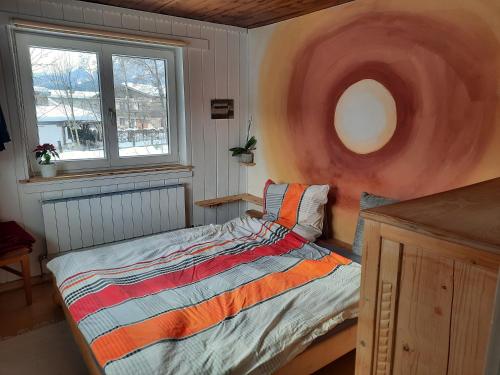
(430, 269)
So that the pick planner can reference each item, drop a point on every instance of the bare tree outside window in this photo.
(68, 101)
(141, 105)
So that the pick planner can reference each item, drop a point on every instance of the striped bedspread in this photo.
(244, 297)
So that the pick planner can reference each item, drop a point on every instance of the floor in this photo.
(49, 350)
(17, 318)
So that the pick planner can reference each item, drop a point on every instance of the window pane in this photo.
(68, 102)
(141, 105)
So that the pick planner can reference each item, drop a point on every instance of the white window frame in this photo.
(104, 49)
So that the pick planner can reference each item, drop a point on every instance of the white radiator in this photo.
(79, 222)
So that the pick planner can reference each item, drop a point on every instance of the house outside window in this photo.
(102, 104)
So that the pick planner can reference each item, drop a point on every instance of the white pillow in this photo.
(298, 207)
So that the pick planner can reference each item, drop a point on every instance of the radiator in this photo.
(78, 222)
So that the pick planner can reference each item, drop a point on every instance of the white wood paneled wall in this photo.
(219, 72)
(215, 66)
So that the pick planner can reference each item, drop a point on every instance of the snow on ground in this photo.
(124, 152)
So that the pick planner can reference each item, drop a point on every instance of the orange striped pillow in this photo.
(298, 207)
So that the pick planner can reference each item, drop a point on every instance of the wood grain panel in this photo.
(245, 197)
(466, 254)
(441, 215)
(386, 309)
(492, 366)
(243, 13)
(474, 291)
(424, 311)
(319, 355)
(447, 282)
(367, 304)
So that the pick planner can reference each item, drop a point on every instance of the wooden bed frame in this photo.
(317, 356)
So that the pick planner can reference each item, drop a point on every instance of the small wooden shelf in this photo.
(230, 199)
(250, 198)
(247, 164)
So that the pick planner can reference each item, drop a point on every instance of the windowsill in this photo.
(107, 173)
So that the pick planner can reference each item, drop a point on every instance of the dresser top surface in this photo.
(468, 215)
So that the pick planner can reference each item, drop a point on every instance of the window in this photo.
(101, 104)
(68, 102)
(140, 87)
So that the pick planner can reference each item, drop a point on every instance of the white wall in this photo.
(215, 66)
(258, 175)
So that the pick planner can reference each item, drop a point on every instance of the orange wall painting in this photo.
(398, 98)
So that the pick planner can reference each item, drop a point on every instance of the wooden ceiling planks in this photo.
(242, 13)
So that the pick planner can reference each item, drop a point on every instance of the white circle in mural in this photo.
(365, 116)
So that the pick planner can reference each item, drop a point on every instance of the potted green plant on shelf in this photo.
(44, 154)
(246, 152)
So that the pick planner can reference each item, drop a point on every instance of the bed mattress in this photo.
(244, 297)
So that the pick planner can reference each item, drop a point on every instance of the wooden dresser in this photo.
(430, 269)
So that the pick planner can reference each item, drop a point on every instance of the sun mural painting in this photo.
(375, 101)
(368, 130)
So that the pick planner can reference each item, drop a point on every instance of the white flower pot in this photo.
(48, 170)
(247, 158)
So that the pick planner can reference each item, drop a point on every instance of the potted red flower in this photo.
(44, 154)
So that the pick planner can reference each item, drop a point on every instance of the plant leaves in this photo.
(251, 143)
(237, 150)
(45, 151)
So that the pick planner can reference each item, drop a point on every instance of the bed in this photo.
(246, 297)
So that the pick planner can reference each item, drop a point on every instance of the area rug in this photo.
(49, 350)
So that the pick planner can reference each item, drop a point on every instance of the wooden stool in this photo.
(15, 246)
